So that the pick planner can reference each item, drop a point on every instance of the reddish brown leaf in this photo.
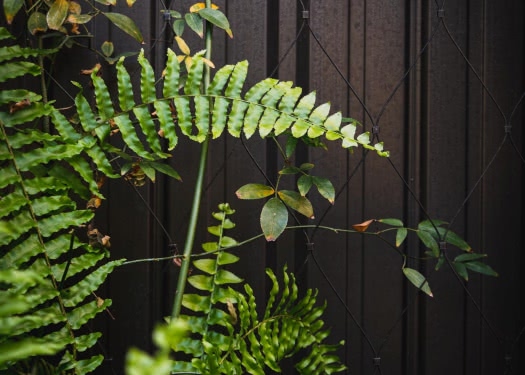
(363, 226)
(15, 107)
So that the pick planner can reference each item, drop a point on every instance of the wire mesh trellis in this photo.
(442, 85)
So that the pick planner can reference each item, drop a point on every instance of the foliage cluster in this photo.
(53, 258)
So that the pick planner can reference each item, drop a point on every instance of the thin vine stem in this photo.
(294, 227)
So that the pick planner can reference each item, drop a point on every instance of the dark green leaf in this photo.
(469, 257)
(461, 270)
(392, 222)
(304, 183)
(401, 234)
(178, 27)
(195, 23)
(427, 225)
(480, 267)
(291, 144)
(454, 239)
(254, 191)
(325, 188)
(126, 24)
(165, 169)
(289, 170)
(217, 18)
(418, 280)
(429, 241)
(274, 218)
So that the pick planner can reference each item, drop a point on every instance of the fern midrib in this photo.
(39, 235)
(209, 96)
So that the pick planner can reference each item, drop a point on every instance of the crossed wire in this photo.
(439, 24)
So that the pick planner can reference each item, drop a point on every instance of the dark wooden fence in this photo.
(442, 85)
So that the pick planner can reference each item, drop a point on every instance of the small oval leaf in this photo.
(254, 191)
(57, 13)
(274, 218)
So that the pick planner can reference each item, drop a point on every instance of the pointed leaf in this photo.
(254, 191)
(206, 265)
(11, 8)
(226, 277)
(195, 23)
(126, 24)
(429, 241)
(217, 18)
(469, 257)
(461, 270)
(480, 267)
(392, 222)
(401, 234)
(274, 218)
(182, 45)
(297, 202)
(325, 188)
(362, 227)
(165, 169)
(304, 183)
(418, 280)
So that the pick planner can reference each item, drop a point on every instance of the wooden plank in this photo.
(444, 181)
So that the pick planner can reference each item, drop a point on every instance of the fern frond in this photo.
(46, 272)
(291, 327)
(228, 335)
(270, 107)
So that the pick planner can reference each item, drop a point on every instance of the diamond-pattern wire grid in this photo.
(441, 84)
(406, 332)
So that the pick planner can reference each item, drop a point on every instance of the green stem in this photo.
(192, 226)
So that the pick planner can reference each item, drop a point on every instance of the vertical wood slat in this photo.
(443, 129)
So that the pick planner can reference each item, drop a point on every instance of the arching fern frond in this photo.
(270, 107)
(47, 275)
(227, 334)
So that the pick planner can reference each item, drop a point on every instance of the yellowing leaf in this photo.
(208, 62)
(74, 7)
(182, 45)
(363, 226)
(130, 2)
(37, 23)
(107, 48)
(254, 191)
(296, 201)
(11, 8)
(198, 6)
(57, 13)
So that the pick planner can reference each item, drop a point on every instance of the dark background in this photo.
(441, 87)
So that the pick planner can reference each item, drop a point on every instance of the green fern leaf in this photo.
(125, 89)
(171, 76)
